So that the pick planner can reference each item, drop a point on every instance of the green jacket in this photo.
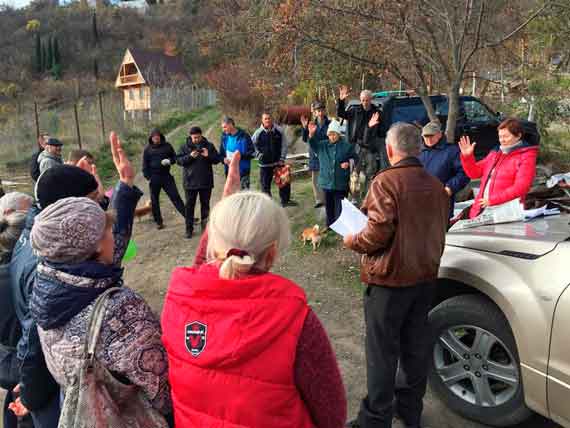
(331, 175)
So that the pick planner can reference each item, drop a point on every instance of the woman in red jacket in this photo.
(244, 347)
(506, 173)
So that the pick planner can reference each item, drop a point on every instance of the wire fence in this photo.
(86, 123)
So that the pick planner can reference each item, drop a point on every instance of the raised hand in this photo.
(374, 120)
(312, 129)
(467, 149)
(304, 121)
(121, 161)
(343, 92)
(233, 179)
(344, 165)
(84, 164)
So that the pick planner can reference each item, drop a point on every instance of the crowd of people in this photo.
(236, 345)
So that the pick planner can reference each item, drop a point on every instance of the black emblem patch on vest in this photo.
(195, 335)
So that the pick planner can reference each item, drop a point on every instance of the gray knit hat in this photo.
(431, 128)
(69, 230)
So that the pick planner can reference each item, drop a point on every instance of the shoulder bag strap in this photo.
(95, 323)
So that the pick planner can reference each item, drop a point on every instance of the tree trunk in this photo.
(453, 111)
(429, 107)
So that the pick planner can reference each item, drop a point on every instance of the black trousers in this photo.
(396, 327)
(166, 183)
(266, 178)
(333, 205)
(191, 197)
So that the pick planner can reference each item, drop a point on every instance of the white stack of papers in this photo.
(351, 220)
(557, 178)
(539, 212)
(505, 213)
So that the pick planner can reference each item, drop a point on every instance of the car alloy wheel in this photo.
(476, 366)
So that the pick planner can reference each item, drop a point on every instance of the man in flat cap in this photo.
(441, 160)
(51, 156)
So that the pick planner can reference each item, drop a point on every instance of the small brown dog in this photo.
(312, 234)
(146, 209)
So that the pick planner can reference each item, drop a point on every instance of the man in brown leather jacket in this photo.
(401, 248)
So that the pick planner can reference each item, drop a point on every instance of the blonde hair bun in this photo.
(242, 228)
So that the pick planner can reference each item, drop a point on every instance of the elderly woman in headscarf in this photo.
(39, 392)
(13, 208)
(74, 240)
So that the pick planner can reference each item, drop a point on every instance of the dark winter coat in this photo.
(10, 331)
(35, 165)
(241, 143)
(154, 154)
(331, 175)
(197, 172)
(37, 384)
(357, 118)
(270, 146)
(443, 161)
(320, 134)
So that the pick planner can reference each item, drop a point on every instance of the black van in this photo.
(475, 118)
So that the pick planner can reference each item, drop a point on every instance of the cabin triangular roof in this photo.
(154, 64)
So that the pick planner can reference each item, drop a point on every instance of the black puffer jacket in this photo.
(154, 154)
(197, 173)
(37, 385)
(10, 331)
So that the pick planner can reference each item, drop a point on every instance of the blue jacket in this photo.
(331, 175)
(321, 134)
(37, 385)
(242, 143)
(442, 161)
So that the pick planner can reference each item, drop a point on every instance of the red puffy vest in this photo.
(231, 348)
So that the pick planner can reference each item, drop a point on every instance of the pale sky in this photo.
(15, 3)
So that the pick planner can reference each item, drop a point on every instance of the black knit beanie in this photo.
(63, 181)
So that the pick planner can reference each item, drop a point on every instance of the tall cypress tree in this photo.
(49, 63)
(44, 57)
(38, 55)
(55, 47)
(94, 28)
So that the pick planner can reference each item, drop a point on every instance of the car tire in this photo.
(476, 313)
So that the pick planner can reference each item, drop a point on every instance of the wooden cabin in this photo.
(142, 71)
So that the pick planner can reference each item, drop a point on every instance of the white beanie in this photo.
(334, 126)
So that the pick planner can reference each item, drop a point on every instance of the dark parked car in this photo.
(475, 119)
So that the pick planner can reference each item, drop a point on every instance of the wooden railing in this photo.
(131, 78)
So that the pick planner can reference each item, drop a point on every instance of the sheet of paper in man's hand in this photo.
(351, 220)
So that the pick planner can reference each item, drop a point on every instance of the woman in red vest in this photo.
(506, 173)
(244, 347)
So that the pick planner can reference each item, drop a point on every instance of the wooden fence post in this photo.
(101, 116)
(77, 125)
(37, 121)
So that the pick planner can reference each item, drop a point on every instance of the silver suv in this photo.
(501, 345)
